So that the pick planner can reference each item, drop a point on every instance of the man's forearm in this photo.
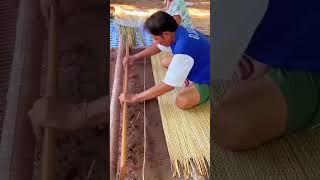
(155, 91)
(89, 114)
(98, 108)
(150, 51)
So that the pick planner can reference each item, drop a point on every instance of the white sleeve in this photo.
(178, 70)
(234, 24)
(164, 48)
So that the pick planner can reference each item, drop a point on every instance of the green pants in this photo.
(204, 92)
(302, 94)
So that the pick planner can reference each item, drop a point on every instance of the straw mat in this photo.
(187, 132)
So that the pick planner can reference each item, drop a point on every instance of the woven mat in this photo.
(187, 132)
(291, 157)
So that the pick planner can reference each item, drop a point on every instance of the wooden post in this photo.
(123, 163)
(48, 157)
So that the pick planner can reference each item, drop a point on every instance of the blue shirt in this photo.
(191, 42)
(288, 35)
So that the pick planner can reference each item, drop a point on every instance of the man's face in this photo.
(165, 39)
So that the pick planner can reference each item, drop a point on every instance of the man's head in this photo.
(162, 27)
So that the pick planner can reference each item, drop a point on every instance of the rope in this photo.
(144, 121)
(144, 115)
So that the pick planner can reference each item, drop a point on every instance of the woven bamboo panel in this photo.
(292, 157)
(187, 132)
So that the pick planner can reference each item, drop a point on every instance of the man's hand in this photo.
(250, 69)
(129, 98)
(49, 112)
(128, 60)
(41, 116)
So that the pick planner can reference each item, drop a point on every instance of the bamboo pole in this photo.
(115, 110)
(123, 163)
(48, 156)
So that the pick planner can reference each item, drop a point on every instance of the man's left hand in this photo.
(129, 98)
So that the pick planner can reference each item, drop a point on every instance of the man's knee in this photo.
(165, 62)
(182, 102)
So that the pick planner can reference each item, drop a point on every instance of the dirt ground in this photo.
(82, 76)
(157, 165)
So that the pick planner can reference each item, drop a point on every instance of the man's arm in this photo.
(151, 93)
(150, 51)
(234, 24)
(176, 74)
(155, 91)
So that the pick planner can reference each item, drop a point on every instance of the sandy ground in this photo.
(157, 165)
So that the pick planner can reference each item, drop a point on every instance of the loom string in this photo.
(144, 114)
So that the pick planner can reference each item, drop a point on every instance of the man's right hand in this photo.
(250, 69)
(50, 112)
(128, 60)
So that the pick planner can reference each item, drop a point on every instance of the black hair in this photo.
(160, 22)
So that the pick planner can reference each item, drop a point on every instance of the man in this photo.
(179, 11)
(279, 86)
(190, 61)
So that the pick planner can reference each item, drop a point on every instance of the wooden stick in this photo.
(123, 163)
(48, 159)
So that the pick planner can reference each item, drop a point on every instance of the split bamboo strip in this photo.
(123, 163)
(48, 158)
(187, 132)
